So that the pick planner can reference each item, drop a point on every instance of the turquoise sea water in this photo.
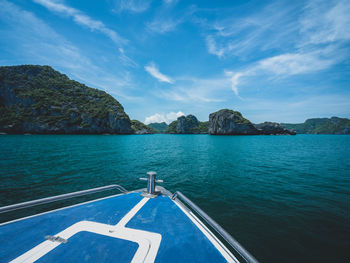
(285, 198)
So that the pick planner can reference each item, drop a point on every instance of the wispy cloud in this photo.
(288, 64)
(169, 117)
(213, 48)
(322, 29)
(82, 19)
(35, 39)
(163, 25)
(167, 19)
(126, 60)
(152, 69)
(238, 35)
(37, 43)
(325, 22)
(234, 77)
(133, 6)
(201, 90)
(298, 63)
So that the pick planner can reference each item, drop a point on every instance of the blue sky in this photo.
(282, 61)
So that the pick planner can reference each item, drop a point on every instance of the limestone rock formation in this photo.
(229, 122)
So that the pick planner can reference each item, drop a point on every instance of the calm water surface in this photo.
(285, 198)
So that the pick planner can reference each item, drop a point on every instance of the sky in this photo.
(281, 61)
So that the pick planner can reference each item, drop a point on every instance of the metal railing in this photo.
(233, 242)
(150, 189)
(46, 200)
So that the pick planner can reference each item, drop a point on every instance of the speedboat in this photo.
(144, 225)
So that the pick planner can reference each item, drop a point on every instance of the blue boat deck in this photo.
(122, 228)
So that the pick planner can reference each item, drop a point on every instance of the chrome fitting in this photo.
(151, 184)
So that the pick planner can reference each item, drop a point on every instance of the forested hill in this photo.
(332, 125)
(39, 99)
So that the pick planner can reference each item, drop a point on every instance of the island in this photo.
(40, 100)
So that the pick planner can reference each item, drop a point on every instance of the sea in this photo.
(284, 198)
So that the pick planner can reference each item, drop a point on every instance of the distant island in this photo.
(40, 100)
(332, 125)
(159, 127)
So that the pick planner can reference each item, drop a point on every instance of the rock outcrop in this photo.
(229, 122)
(141, 128)
(273, 128)
(40, 100)
(187, 125)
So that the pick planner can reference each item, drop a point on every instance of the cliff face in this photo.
(332, 125)
(187, 125)
(273, 128)
(229, 122)
(38, 99)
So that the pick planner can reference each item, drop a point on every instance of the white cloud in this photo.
(167, 18)
(134, 6)
(288, 64)
(126, 60)
(82, 19)
(320, 22)
(324, 28)
(35, 42)
(234, 80)
(201, 90)
(212, 47)
(154, 71)
(325, 22)
(155, 118)
(168, 118)
(171, 116)
(163, 25)
(296, 63)
(238, 35)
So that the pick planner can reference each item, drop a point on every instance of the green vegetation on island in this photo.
(141, 128)
(159, 127)
(332, 125)
(229, 122)
(39, 99)
(188, 125)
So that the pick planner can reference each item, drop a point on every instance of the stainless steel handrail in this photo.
(233, 242)
(60, 197)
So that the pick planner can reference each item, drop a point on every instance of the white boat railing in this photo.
(225, 235)
(46, 200)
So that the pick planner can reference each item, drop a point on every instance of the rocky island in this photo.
(273, 128)
(141, 128)
(187, 125)
(229, 122)
(225, 122)
(41, 100)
